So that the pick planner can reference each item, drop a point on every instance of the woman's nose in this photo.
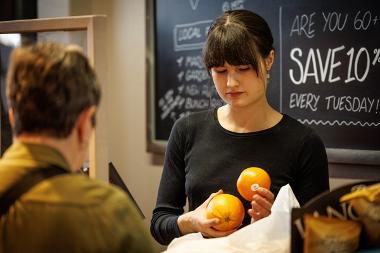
(232, 80)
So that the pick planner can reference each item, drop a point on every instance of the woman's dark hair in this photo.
(48, 86)
(239, 37)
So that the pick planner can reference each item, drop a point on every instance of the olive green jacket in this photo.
(66, 213)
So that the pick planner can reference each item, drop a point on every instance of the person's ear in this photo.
(84, 125)
(11, 117)
(269, 60)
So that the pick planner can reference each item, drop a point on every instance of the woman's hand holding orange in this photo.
(253, 185)
(196, 221)
(261, 204)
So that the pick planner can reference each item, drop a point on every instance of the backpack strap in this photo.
(25, 183)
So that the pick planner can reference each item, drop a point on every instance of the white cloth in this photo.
(268, 235)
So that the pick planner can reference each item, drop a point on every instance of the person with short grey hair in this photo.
(53, 95)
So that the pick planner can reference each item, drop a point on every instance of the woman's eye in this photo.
(242, 68)
(219, 70)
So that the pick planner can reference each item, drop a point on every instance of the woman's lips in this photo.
(234, 94)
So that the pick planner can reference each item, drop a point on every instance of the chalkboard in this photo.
(326, 72)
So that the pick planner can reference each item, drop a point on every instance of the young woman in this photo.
(207, 151)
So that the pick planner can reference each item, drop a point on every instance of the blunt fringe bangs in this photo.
(230, 43)
(238, 37)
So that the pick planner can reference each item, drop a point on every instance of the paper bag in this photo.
(268, 235)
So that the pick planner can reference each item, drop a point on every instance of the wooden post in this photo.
(95, 27)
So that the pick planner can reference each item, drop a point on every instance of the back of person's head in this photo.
(48, 86)
(238, 37)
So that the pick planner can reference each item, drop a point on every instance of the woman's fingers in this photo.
(211, 222)
(255, 216)
(265, 193)
(261, 204)
(213, 233)
(212, 195)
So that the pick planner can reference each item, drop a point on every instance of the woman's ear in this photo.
(269, 60)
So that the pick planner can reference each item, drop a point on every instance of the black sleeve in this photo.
(171, 193)
(312, 174)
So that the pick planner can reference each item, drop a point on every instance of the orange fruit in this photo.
(228, 209)
(250, 179)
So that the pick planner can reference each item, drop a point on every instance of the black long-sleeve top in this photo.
(203, 157)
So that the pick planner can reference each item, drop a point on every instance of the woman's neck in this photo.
(248, 119)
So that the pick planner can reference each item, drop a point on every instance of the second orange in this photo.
(250, 179)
